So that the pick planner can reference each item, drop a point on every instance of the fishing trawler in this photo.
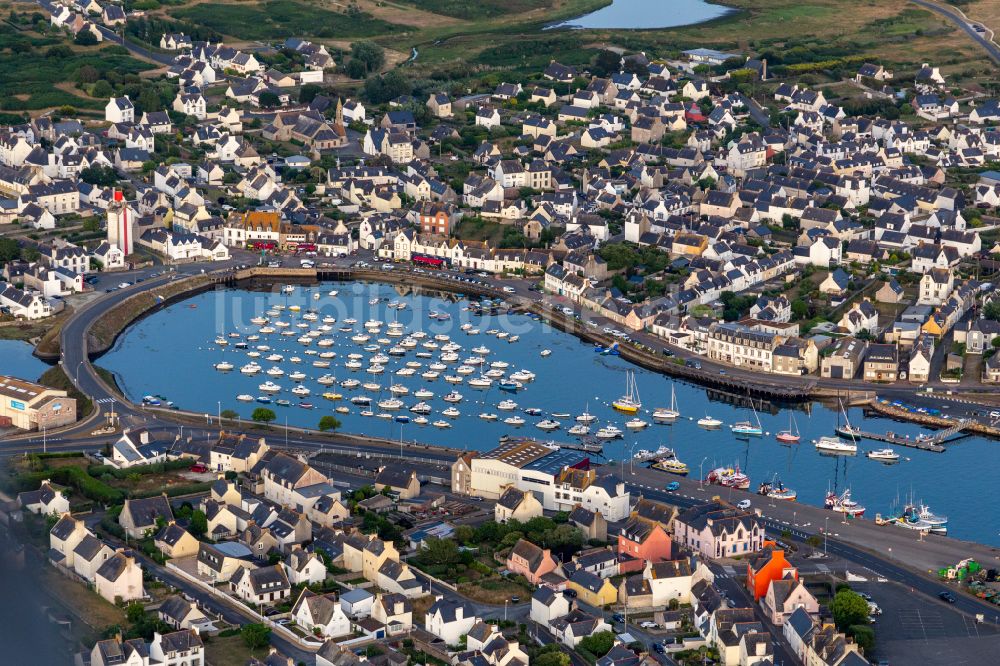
(843, 504)
(775, 489)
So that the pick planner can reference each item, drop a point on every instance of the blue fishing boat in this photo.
(512, 386)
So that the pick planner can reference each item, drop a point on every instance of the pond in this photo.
(647, 15)
(172, 353)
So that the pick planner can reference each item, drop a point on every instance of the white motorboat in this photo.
(297, 376)
(709, 422)
(258, 321)
(325, 342)
(836, 445)
(326, 380)
(636, 424)
(414, 364)
(224, 366)
(480, 382)
(328, 354)
(374, 387)
(609, 431)
(390, 403)
(507, 405)
(545, 352)
(453, 379)
(579, 430)
(488, 416)
(494, 373)
(548, 425)
(430, 375)
(250, 369)
(465, 370)
(350, 384)
(437, 367)
(884, 455)
(514, 420)
(361, 400)
(406, 372)
(274, 358)
(366, 412)
(221, 341)
(421, 408)
(253, 354)
(267, 330)
(441, 424)
(269, 387)
(398, 389)
(586, 418)
(453, 397)
(245, 397)
(301, 391)
(275, 371)
(360, 338)
(523, 376)
(321, 364)
(375, 369)
(295, 359)
(482, 350)
(451, 413)
(500, 365)
(423, 394)
(421, 420)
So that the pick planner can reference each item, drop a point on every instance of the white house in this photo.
(321, 613)
(119, 110)
(548, 605)
(449, 620)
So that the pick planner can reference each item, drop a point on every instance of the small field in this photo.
(230, 651)
(463, 9)
(86, 606)
(478, 229)
(278, 19)
(494, 590)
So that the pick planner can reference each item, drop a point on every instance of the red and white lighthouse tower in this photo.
(121, 226)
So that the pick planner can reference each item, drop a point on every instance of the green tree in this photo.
(800, 309)
(85, 38)
(606, 63)
(268, 100)
(96, 174)
(87, 74)
(30, 254)
(328, 423)
(308, 92)
(256, 636)
(598, 644)
(263, 415)
(381, 89)
(199, 523)
(91, 225)
(551, 657)
(102, 89)
(369, 54)
(992, 310)
(9, 249)
(848, 608)
(440, 551)
(863, 635)
(228, 414)
(466, 533)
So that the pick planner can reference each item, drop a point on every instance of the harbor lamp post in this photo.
(826, 529)
(701, 475)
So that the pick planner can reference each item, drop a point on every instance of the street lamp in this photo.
(78, 373)
(701, 474)
(826, 530)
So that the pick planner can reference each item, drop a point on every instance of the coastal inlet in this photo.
(377, 351)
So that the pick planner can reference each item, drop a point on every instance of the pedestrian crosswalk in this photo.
(105, 401)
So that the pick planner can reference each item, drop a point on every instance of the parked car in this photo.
(618, 617)
(658, 648)
(743, 504)
(124, 285)
(199, 468)
(508, 290)
(947, 596)
(673, 485)
(570, 593)
(646, 624)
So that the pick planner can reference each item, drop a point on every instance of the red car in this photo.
(198, 467)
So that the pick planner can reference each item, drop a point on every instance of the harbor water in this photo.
(172, 354)
(647, 15)
(16, 360)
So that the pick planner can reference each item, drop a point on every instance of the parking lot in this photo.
(911, 630)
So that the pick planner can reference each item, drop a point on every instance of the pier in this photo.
(925, 443)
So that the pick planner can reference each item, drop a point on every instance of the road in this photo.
(956, 17)
(900, 552)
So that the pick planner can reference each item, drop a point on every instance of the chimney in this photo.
(763, 69)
